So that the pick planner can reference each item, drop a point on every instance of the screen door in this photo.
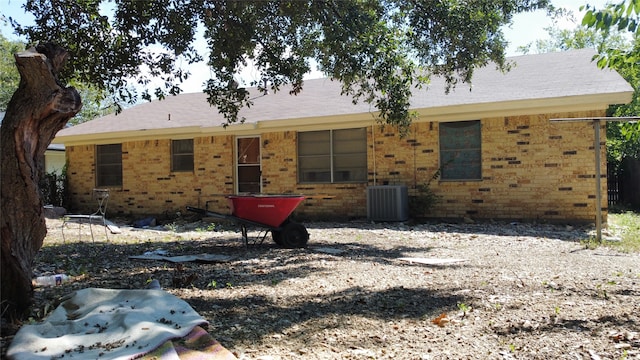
(248, 164)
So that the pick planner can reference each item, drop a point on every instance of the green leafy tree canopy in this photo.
(9, 77)
(94, 99)
(623, 17)
(378, 49)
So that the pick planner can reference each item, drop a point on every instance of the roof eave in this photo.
(121, 136)
(440, 113)
(525, 107)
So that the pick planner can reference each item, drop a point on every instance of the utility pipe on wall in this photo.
(373, 140)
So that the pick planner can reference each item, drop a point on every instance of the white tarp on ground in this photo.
(108, 324)
(209, 258)
(431, 261)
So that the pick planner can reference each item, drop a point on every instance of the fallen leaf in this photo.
(441, 320)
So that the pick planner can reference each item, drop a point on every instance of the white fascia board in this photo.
(231, 129)
(518, 108)
(128, 136)
(306, 124)
(320, 123)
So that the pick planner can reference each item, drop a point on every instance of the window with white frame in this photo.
(182, 155)
(460, 152)
(109, 165)
(332, 156)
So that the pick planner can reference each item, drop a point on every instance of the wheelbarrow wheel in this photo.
(277, 236)
(293, 235)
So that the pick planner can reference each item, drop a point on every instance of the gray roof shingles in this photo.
(541, 76)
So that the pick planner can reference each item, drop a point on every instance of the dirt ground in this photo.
(504, 291)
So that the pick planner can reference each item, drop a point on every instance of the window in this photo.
(460, 156)
(249, 173)
(182, 155)
(109, 165)
(332, 156)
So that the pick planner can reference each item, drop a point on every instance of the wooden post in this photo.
(596, 148)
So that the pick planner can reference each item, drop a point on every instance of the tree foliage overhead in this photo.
(9, 77)
(579, 37)
(622, 17)
(623, 138)
(378, 49)
(94, 103)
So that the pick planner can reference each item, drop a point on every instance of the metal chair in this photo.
(101, 196)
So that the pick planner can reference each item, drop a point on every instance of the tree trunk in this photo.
(39, 108)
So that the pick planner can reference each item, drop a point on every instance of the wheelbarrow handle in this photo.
(197, 210)
(210, 213)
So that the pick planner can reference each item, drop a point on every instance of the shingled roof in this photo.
(567, 79)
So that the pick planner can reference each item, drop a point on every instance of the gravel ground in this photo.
(519, 291)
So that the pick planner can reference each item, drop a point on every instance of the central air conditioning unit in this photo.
(387, 203)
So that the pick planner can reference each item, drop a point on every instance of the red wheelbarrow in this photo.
(270, 212)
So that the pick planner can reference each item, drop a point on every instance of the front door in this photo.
(248, 164)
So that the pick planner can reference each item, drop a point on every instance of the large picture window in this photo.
(109, 165)
(460, 153)
(182, 155)
(332, 156)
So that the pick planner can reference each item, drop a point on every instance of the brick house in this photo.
(501, 157)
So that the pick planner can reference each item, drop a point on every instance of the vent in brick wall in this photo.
(387, 203)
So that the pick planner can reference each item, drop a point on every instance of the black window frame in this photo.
(109, 165)
(460, 150)
(181, 159)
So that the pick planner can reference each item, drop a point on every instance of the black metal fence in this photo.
(623, 187)
(613, 190)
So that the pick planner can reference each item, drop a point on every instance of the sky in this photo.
(526, 28)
